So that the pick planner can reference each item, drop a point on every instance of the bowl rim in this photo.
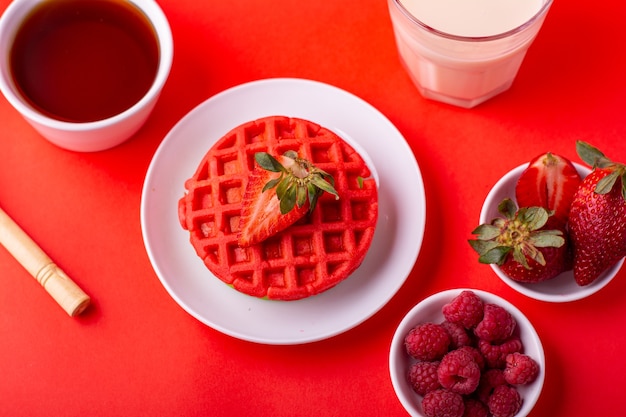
(399, 360)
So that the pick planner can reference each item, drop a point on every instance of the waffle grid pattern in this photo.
(310, 256)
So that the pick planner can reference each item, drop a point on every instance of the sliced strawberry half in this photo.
(260, 211)
(550, 181)
(279, 192)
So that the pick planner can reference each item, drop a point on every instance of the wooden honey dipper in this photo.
(64, 291)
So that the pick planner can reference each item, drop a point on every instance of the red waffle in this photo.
(309, 257)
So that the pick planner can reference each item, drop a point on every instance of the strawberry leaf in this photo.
(268, 162)
(490, 251)
(547, 239)
(324, 185)
(301, 196)
(288, 200)
(497, 255)
(272, 183)
(313, 195)
(299, 180)
(534, 217)
(520, 257)
(606, 184)
(592, 155)
(482, 246)
(597, 159)
(534, 254)
(486, 232)
(282, 187)
(311, 189)
(508, 208)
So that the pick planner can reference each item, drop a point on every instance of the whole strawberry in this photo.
(521, 245)
(597, 219)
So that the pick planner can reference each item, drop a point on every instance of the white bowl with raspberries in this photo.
(562, 288)
(466, 348)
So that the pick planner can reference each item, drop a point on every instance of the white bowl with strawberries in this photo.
(466, 352)
(555, 230)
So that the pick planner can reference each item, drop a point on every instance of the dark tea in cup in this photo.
(84, 60)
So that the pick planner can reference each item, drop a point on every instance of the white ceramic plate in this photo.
(391, 257)
(562, 288)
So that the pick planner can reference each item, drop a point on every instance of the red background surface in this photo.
(137, 353)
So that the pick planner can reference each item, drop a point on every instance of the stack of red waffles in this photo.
(308, 257)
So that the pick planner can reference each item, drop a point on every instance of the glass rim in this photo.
(463, 38)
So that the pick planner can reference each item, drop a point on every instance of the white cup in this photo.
(461, 69)
(92, 135)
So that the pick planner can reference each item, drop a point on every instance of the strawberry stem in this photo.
(298, 182)
(519, 232)
(596, 159)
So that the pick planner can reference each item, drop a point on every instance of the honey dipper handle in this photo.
(64, 291)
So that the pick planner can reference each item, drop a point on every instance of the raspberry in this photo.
(443, 403)
(489, 380)
(427, 342)
(423, 377)
(465, 309)
(458, 334)
(520, 369)
(478, 357)
(504, 402)
(495, 354)
(497, 324)
(475, 408)
(459, 372)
